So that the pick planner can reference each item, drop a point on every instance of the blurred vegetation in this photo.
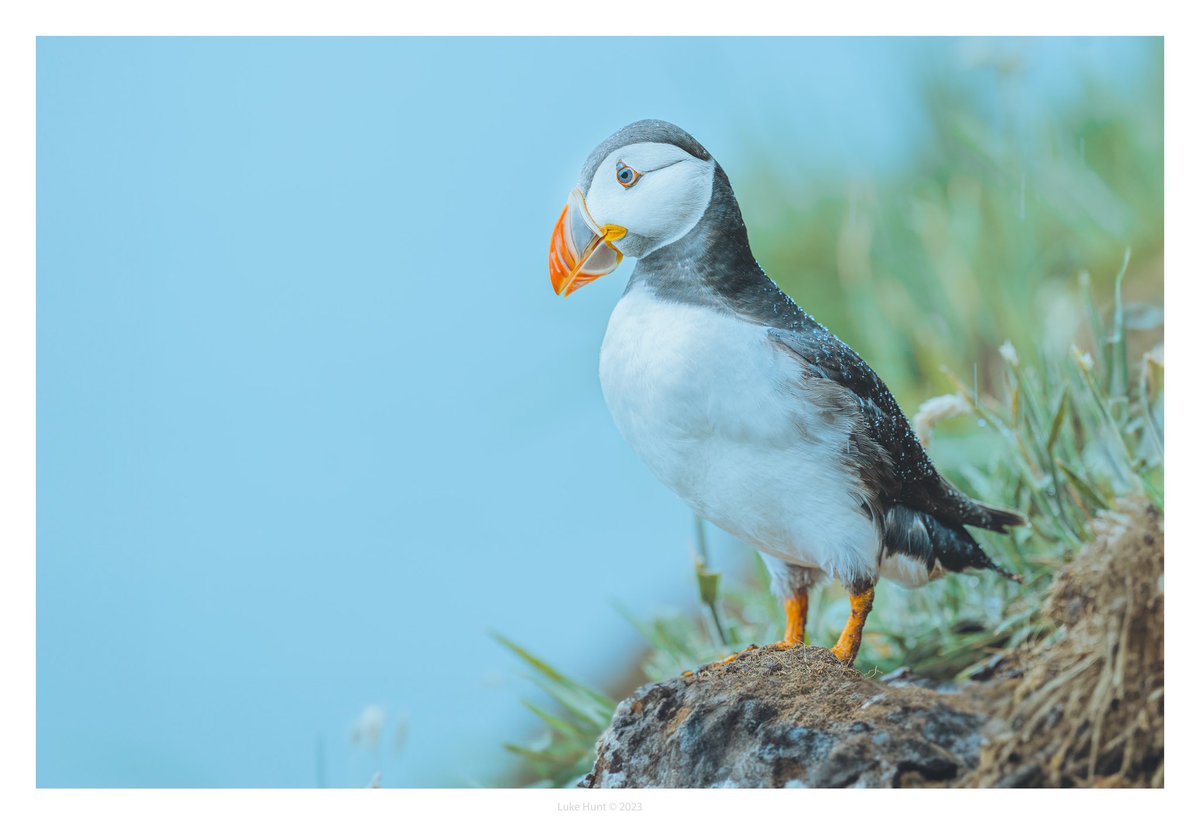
(981, 240)
(1017, 270)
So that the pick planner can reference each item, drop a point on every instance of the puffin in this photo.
(756, 415)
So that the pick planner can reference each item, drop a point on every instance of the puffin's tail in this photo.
(925, 538)
(1000, 520)
(953, 507)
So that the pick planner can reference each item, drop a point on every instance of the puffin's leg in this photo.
(846, 649)
(791, 584)
(796, 609)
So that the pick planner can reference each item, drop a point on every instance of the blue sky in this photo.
(311, 422)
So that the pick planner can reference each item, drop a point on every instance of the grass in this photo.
(1017, 279)
(567, 747)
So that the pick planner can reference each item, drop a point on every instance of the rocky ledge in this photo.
(1081, 706)
(787, 718)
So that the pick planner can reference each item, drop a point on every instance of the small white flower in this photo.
(1084, 359)
(369, 727)
(936, 410)
(1155, 355)
(1009, 353)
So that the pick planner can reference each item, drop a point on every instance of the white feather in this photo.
(717, 413)
(909, 572)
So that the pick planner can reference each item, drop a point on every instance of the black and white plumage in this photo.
(766, 423)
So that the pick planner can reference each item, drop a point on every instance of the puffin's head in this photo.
(644, 188)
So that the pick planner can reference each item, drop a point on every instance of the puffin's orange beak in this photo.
(580, 250)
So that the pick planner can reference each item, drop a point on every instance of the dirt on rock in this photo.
(786, 718)
(1081, 707)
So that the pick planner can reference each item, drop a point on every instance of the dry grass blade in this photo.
(1089, 711)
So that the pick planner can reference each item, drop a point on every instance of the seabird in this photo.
(762, 420)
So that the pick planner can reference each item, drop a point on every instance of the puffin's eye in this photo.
(627, 175)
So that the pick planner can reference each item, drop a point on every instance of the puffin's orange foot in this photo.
(718, 664)
(726, 661)
(846, 653)
(846, 649)
(796, 609)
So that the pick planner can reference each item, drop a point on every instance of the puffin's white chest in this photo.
(715, 410)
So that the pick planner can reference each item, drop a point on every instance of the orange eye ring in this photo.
(627, 176)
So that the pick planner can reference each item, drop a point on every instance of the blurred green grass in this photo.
(1019, 271)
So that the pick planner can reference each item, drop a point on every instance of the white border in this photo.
(19, 25)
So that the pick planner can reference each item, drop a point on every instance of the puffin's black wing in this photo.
(911, 480)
